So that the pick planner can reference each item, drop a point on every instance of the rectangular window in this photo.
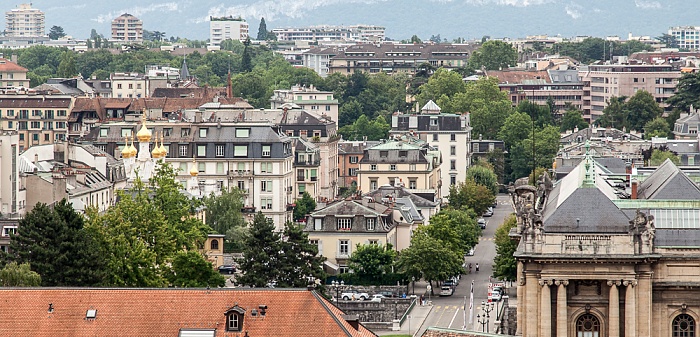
(433, 122)
(435, 137)
(241, 185)
(344, 224)
(301, 188)
(201, 150)
(10, 125)
(185, 132)
(35, 125)
(240, 151)
(453, 164)
(383, 154)
(453, 150)
(203, 133)
(412, 184)
(242, 133)
(265, 167)
(411, 167)
(318, 224)
(266, 186)
(403, 154)
(354, 159)
(266, 203)
(372, 185)
(220, 150)
(47, 137)
(36, 112)
(352, 172)
(183, 150)
(371, 222)
(35, 137)
(453, 180)
(10, 113)
(167, 132)
(266, 150)
(373, 242)
(373, 167)
(183, 167)
(219, 168)
(453, 137)
(344, 247)
(201, 167)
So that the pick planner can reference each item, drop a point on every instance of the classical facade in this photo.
(592, 263)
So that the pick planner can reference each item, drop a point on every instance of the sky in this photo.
(402, 18)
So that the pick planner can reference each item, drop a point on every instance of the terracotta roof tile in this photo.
(163, 312)
(8, 66)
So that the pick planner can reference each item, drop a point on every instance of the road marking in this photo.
(453, 318)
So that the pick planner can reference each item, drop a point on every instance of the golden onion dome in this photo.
(156, 150)
(144, 135)
(194, 171)
(126, 151)
(132, 149)
(163, 149)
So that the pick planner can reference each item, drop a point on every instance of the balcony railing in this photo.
(316, 162)
(240, 173)
(248, 209)
(301, 178)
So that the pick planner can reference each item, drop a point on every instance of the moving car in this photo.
(482, 223)
(446, 291)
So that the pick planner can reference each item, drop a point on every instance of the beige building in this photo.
(399, 162)
(593, 264)
(601, 82)
(38, 120)
(309, 99)
(12, 189)
(227, 28)
(214, 249)
(129, 85)
(307, 163)
(12, 75)
(25, 21)
(127, 28)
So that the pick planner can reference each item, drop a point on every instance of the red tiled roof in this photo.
(163, 312)
(8, 66)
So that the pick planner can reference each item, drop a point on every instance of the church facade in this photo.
(604, 255)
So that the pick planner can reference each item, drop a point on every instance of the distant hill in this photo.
(402, 18)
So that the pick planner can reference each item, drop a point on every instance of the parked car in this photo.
(489, 212)
(446, 291)
(227, 269)
(495, 295)
(386, 293)
(482, 223)
(354, 295)
(449, 283)
(377, 298)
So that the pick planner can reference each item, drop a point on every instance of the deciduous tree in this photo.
(658, 127)
(371, 262)
(19, 275)
(687, 93)
(571, 120)
(504, 264)
(191, 270)
(483, 176)
(304, 206)
(494, 55)
(659, 156)
(430, 259)
(470, 195)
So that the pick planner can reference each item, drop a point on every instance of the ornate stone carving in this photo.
(544, 282)
(629, 283)
(614, 283)
(560, 282)
(521, 281)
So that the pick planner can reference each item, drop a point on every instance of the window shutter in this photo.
(320, 247)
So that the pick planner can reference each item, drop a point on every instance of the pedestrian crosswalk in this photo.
(485, 239)
(447, 307)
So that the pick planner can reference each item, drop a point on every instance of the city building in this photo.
(596, 257)
(687, 37)
(129, 85)
(12, 191)
(563, 87)
(687, 126)
(318, 59)
(401, 162)
(307, 98)
(307, 161)
(480, 148)
(602, 82)
(25, 22)
(399, 58)
(451, 133)
(37, 119)
(174, 312)
(127, 28)
(349, 155)
(357, 33)
(12, 75)
(227, 28)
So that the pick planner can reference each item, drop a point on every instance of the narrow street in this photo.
(448, 312)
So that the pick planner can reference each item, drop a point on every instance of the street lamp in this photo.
(481, 320)
(413, 279)
(396, 310)
(486, 308)
(338, 286)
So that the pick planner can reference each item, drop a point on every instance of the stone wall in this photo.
(436, 332)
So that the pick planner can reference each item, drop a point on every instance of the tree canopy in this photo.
(687, 93)
(19, 275)
(632, 114)
(494, 55)
(56, 32)
(470, 195)
(304, 206)
(504, 264)
(483, 176)
(371, 262)
(659, 156)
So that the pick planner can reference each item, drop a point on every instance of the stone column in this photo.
(614, 310)
(520, 305)
(562, 309)
(630, 308)
(532, 305)
(643, 301)
(546, 309)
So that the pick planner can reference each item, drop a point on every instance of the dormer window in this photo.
(234, 319)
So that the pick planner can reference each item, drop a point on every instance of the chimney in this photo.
(36, 158)
(198, 116)
(634, 189)
(353, 320)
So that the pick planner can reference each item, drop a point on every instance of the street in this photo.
(448, 312)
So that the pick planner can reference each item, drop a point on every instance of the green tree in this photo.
(546, 148)
(614, 114)
(504, 264)
(58, 247)
(430, 259)
(483, 176)
(191, 270)
(67, 67)
(261, 258)
(539, 113)
(487, 104)
(659, 156)
(571, 120)
(516, 127)
(371, 262)
(470, 195)
(246, 63)
(494, 55)
(687, 93)
(19, 275)
(456, 228)
(304, 206)
(262, 30)
(443, 82)
(641, 109)
(56, 32)
(668, 40)
(657, 127)
(299, 262)
(415, 39)
(497, 159)
(224, 214)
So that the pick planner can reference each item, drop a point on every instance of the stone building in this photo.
(591, 263)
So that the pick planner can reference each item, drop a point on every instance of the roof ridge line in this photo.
(330, 312)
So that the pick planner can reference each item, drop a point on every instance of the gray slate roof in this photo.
(668, 182)
(400, 192)
(594, 210)
(677, 238)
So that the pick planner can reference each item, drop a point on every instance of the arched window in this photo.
(683, 326)
(587, 325)
(214, 244)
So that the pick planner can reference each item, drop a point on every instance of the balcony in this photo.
(314, 178)
(90, 120)
(315, 162)
(248, 209)
(240, 173)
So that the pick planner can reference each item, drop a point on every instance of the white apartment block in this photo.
(25, 21)
(127, 28)
(318, 59)
(129, 85)
(309, 99)
(331, 33)
(688, 37)
(224, 28)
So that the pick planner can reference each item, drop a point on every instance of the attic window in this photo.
(234, 318)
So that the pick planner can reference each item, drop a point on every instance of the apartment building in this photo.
(256, 157)
(331, 33)
(394, 162)
(601, 82)
(129, 85)
(318, 59)
(127, 28)
(308, 98)
(539, 86)
(12, 191)
(450, 133)
(38, 120)
(399, 58)
(12, 75)
(688, 37)
(225, 28)
(25, 21)
(349, 155)
(307, 162)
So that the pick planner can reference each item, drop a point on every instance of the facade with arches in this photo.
(604, 255)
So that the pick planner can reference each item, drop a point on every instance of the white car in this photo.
(377, 298)
(496, 295)
(354, 295)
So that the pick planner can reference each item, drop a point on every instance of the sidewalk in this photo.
(413, 322)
